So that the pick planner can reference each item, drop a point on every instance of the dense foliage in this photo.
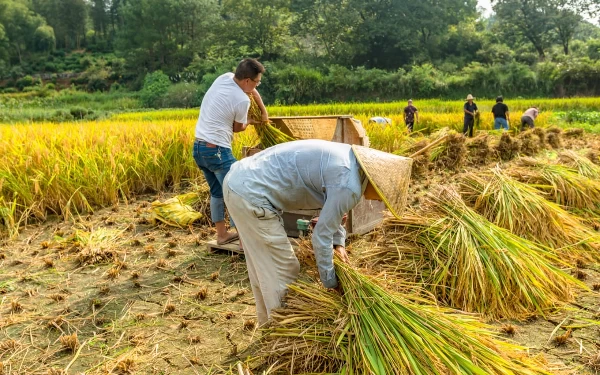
(314, 50)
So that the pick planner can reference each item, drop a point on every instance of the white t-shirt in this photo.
(224, 103)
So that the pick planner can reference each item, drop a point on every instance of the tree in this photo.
(19, 24)
(323, 27)
(566, 16)
(163, 33)
(262, 25)
(68, 18)
(44, 39)
(529, 18)
(99, 16)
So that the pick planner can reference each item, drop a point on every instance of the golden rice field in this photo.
(514, 248)
(69, 168)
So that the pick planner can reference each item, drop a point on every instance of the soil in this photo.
(160, 303)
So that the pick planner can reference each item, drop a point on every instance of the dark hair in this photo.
(499, 99)
(249, 68)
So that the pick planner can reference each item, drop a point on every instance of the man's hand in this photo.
(341, 253)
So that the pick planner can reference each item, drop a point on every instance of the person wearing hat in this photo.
(305, 175)
(470, 109)
(411, 113)
(501, 116)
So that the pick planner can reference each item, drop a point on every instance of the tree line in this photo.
(191, 40)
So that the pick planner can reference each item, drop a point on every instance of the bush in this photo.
(25, 82)
(61, 115)
(50, 67)
(10, 90)
(50, 86)
(156, 85)
(80, 113)
(181, 95)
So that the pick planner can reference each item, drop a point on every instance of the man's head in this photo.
(499, 99)
(409, 101)
(470, 98)
(248, 74)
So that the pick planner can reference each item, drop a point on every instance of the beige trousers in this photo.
(270, 259)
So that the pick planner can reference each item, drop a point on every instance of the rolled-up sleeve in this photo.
(329, 231)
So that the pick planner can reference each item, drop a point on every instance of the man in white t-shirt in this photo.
(224, 111)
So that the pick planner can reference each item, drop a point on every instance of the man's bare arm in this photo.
(239, 127)
(261, 105)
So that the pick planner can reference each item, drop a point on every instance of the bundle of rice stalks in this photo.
(477, 266)
(553, 137)
(541, 133)
(564, 184)
(508, 147)
(574, 132)
(420, 164)
(521, 209)
(267, 133)
(584, 165)
(370, 330)
(530, 144)
(97, 246)
(594, 157)
(478, 149)
(449, 154)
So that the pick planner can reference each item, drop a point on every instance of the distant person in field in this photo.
(380, 120)
(411, 115)
(501, 116)
(528, 118)
(470, 108)
(224, 111)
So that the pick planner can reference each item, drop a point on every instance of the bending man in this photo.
(309, 174)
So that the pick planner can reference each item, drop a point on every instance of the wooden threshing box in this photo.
(344, 129)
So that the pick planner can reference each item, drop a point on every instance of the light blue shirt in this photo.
(301, 175)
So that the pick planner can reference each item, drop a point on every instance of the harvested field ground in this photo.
(152, 300)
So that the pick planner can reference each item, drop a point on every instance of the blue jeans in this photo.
(500, 123)
(214, 163)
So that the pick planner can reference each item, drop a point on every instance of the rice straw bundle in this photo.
(564, 184)
(370, 330)
(522, 209)
(476, 266)
(177, 211)
(267, 133)
(96, 246)
(451, 153)
(584, 165)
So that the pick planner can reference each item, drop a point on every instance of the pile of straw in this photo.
(472, 264)
(370, 330)
(524, 211)
(564, 184)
